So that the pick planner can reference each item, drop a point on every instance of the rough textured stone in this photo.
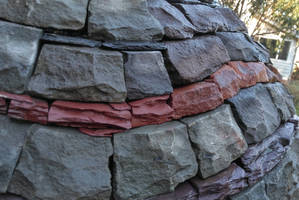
(227, 80)
(175, 25)
(88, 115)
(146, 75)
(60, 39)
(12, 138)
(272, 76)
(256, 192)
(283, 100)
(242, 48)
(134, 46)
(152, 160)
(3, 106)
(263, 157)
(58, 14)
(60, 163)
(151, 110)
(18, 51)
(216, 140)
(79, 73)
(10, 197)
(184, 191)
(194, 99)
(104, 132)
(256, 114)
(24, 107)
(275, 71)
(209, 20)
(122, 20)
(227, 182)
(260, 71)
(193, 60)
(247, 75)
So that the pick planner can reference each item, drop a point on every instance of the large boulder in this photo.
(242, 48)
(175, 24)
(12, 139)
(216, 139)
(58, 14)
(18, 52)
(79, 74)
(146, 75)
(151, 160)
(209, 20)
(193, 60)
(257, 115)
(283, 100)
(59, 163)
(122, 20)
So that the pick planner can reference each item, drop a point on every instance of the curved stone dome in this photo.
(136, 100)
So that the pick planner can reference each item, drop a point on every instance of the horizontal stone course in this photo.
(3, 106)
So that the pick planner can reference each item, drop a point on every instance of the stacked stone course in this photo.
(136, 100)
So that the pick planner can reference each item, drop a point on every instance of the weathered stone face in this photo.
(81, 74)
(216, 139)
(60, 163)
(283, 100)
(152, 160)
(3, 106)
(242, 48)
(58, 14)
(175, 24)
(146, 75)
(193, 60)
(257, 115)
(256, 192)
(12, 138)
(18, 51)
(210, 20)
(122, 20)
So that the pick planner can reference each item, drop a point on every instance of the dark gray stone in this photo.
(61, 39)
(283, 100)
(242, 48)
(18, 51)
(193, 60)
(175, 25)
(152, 160)
(122, 20)
(12, 138)
(146, 75)
(208, 20)
(134, 46)
(10, 197)
(256, 114)
(256, 192)
(216, 139)
(58, 14)
(60, 163)
(79, 74)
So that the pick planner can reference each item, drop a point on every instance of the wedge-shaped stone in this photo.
(122, 20)
(152, 160)
(283, 100)
(60, 163)
(18, 51)
(12, 138)
(242, 48)
(257, 115)
(194, 99)
(193, 60)
(82, 74)
(216, 139)
(146, 75)
(175, 25)
(210, 20)
(58, 14)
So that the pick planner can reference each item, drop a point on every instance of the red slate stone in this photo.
(227, 80)
(152, 110)
(26, 108)
(260, 71)
(272, 76)
(120, 106)
(108, 132)
(275, 71)
(3, 106)
(246, 74)
(89, 115)
(195, 98)
(218, 187)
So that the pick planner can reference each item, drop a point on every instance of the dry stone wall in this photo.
(136, 100)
